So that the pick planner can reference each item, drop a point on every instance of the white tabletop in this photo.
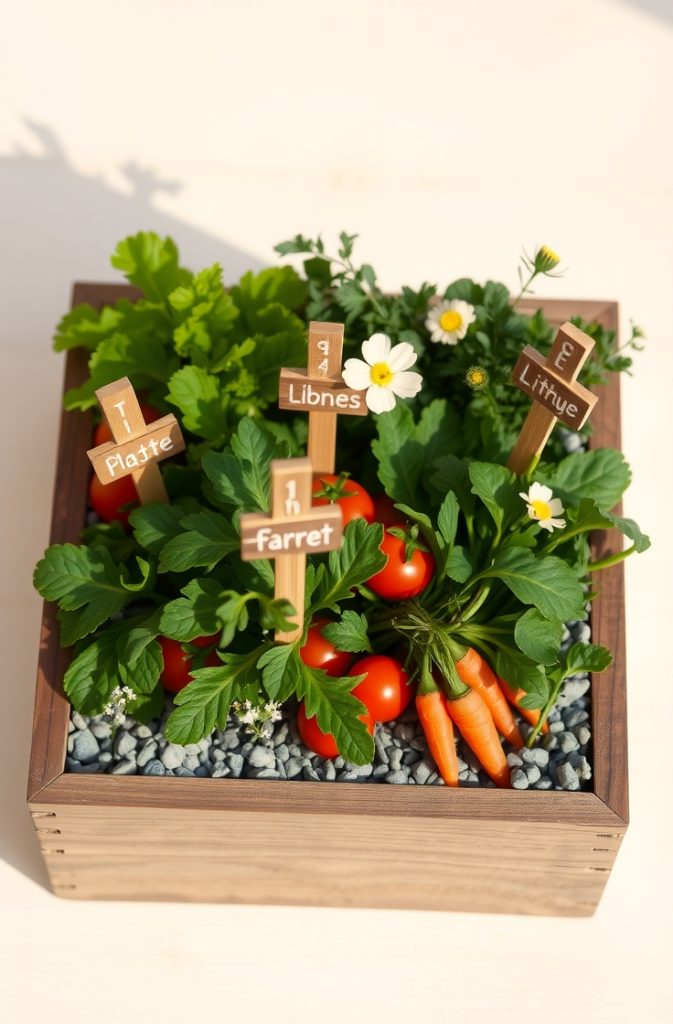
(451, 136)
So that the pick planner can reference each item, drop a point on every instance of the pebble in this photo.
(230, 740)
(143, 732)
(557, 726)
(421, 772)
(148, 751)
(514, 761)
(192, 763)
(101, 730)
(85, 747)
(105, 758)
(381, 749)
(395, 759)
(220, 770)
(568, 742)
(282, 752)
(567, 776)
(293, 767)
(583, 734)
(154, 767)
(183, 773)
(519, 779)
(125, 767)
(79, 721)
(173, 756)
(310, 774)
(124, 743)
(536, 755)
(544, 783)
(84, 769)
(262, 757)
(218, 755)
(397, 778)
(575, 716)
(281, 734)
(550, 741)
(330, 771)
(533, 773)
(235, 763)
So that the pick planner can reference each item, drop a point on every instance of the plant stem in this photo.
(524, 289)
(605, 563)
(551, 700)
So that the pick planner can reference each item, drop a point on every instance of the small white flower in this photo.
(448, 322)
(384, 372)
(543, 506)
(273, 711)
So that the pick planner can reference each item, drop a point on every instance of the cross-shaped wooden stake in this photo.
(137, 447)
(293, 529)
(320, 390)
(552, 384)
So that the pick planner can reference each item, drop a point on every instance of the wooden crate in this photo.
(256, 841)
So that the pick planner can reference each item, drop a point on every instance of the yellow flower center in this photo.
(541, 509)
(552, 256)
(450, 320)
(476, 376)
(381, 374)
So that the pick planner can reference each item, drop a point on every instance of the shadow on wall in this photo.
(657, 8)
(57, 225)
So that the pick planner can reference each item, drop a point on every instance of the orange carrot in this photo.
(438, 730)
(478, 675)
(531, 715)
(470, 713)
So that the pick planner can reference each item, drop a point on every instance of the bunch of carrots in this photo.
(458, 687)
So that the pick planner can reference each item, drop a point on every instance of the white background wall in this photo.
(450, 135)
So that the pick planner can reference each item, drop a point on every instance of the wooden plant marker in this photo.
(293, 529)
(321, 391)
(137, 447)
(557, 395)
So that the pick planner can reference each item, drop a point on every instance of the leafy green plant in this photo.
(505, 579)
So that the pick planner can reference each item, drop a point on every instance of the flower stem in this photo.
(524, 289)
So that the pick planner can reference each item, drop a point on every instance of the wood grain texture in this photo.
(255, 841)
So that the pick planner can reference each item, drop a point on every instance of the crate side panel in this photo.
(329, 860)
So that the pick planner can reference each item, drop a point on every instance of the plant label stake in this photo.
(293, 528)
(557, 395)
(320, 390)
(137, 447)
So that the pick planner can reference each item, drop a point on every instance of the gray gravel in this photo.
(560, 760)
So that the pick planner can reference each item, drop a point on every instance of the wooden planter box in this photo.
(256, 841)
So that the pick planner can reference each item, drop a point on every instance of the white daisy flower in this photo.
(448, 322)
(384, 372)
(543, 507)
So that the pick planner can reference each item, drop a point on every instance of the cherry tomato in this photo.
(353, 499)
(108, 500)
(399, 580)
(102, 433)
(385, 690)
(176, 673)
(320, 742)
(318, 652)
(385, 511)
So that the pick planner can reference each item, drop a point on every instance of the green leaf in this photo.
(136, 638)
(201, 400)
(447, 518)
(349, 633)
(208, 538)
(589, 517)
(539, 638)
(548, 582)
(93, 674)
(498, 489)
(144, 360)
(142, 675)
(519, 672)
(154, 525)
(151, 264)
(111, 536)
(405, 450)
(459, 564)
(327, 698)
(601, 474)
(194, 614)
(82, 580)
(271, 353)
(242, 476)
(586, 658)
(281, 285)
(204, 705)
(452, 474)
(358, 558)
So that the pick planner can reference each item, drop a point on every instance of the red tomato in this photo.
(176, 673)
(353, 499)
(108, 500)
(318, 652)
(385, 690)
(320, 742)
(385, 511)
(102, 433)
(399, 580)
